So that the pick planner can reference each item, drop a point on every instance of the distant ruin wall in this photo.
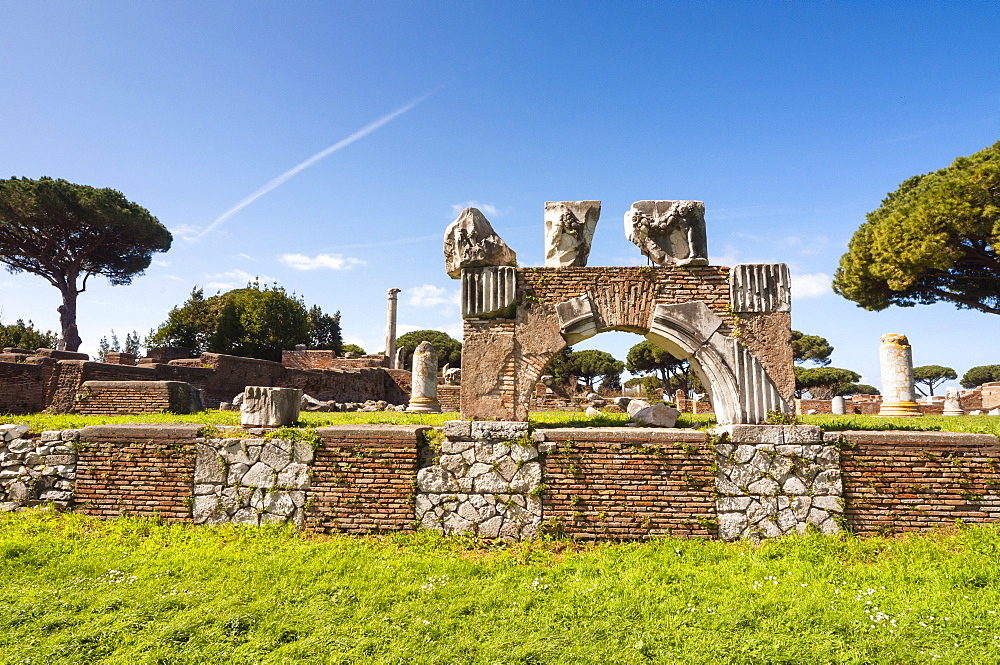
(111, 398)
(29, 387)
(317, 359)
(22, 387)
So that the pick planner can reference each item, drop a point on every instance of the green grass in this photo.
(80, 591)
(40, 422)
(973, 424)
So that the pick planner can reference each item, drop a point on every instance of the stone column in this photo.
(896, 362)
(390, 330)
(423, 380)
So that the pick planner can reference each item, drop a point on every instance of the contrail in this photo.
(290, 173)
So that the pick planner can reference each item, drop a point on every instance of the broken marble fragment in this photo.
(569, 231)
(669, 232)
(471, 242)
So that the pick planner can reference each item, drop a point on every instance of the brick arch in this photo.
(686, 310)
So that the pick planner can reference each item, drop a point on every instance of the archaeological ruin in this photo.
(733, 324)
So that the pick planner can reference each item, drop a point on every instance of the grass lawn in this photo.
(78, 590)
(41, 422)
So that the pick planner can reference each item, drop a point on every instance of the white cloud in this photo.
(811, 286)
(485, 208)
(428, 295)
(185, 231)
(328, 261)
(241, 255)
(174, 277)
(160, 262)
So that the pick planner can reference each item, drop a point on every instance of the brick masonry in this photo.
(364, 478)
(911, 481)
(22, 387)
(635, 483)
(40, 383)
(145, 470)
(509, 349)
(111, 398)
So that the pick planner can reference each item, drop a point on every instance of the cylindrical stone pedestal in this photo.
(896, 362)
(423, 380)
(952, 403)
(838, 406)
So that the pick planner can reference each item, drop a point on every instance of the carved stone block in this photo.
(670, 233)
(488, 291)
(270, 407)
(471, 242)
(760, 287)
(569, 230)
(577, 320)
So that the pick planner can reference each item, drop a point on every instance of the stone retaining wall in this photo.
(493, 479)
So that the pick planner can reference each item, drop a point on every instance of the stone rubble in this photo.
(486, 482)
(36, 472)
(776, 479)
(251, 481)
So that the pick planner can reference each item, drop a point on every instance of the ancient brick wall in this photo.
(22, 387)
(120, 397)
(590, 483)
(143, 470)
(318, 359)
(220, 377)
(364, 479)
(804, 406)
(912, 481)
(634, 484)
(626, 296)
(511, 345)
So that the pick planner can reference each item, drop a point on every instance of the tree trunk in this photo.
(70, 339)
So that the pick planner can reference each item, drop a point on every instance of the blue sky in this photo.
(791, 120)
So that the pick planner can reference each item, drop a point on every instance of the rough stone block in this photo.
(458, 429)
(272, 407)
(501, 430)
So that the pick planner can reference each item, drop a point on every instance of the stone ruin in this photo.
(733, 324)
